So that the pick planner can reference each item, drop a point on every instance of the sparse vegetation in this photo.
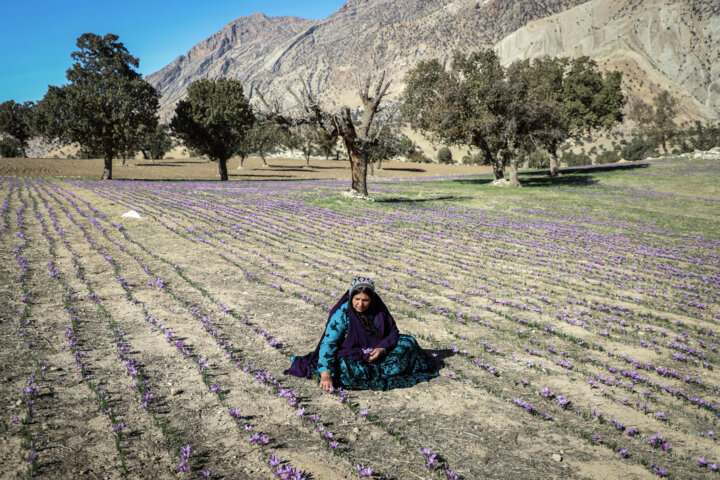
(444, 156)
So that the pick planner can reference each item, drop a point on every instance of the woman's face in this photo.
(361, 302)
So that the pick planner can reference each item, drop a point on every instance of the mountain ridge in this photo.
(367, 36)
(362, 35)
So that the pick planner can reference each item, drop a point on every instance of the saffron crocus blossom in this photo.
(365, 472)
(119, 427)
(184, 464)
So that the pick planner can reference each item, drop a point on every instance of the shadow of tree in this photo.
(573, 176)
(604, 168)
(166, 164)
(257, 177)
(565, 180)
(401, 169)
(418, 200)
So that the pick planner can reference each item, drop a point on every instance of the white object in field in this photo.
(131, 214)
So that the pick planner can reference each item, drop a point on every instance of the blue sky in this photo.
(38, 36)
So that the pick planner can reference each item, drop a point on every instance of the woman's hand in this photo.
(326, 381)
(376, 354)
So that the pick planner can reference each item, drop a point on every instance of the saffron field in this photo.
(575, 322)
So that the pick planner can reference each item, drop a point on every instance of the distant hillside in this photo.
(660, 44)
(362, 36)
(671, 44)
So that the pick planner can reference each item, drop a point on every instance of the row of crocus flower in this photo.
(22, 327)
(283, 471)
(327, 434)
(140, 384)
(79, 360)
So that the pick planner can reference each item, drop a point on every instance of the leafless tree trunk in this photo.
(242, 163)
(307, 152)
(357, 140)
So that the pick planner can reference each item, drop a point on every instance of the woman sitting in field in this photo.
(362, 349)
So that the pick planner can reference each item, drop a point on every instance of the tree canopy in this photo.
(509, 112)
(16, 122)
(214, 120)
(265, 138)
(107, 106)
(156, 143)
(657, 120)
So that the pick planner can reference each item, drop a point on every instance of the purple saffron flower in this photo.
(364, 471)
(119, 427)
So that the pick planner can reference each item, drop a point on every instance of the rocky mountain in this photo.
(669, 44)
(657, 44)
(362, 36)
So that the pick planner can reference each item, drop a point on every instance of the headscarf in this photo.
(357, 337)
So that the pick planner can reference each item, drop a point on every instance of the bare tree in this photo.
(357, 138)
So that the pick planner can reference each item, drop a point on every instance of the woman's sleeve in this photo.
(391, 338)
(334, 334)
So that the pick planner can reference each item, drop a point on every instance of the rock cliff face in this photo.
(243, 46)
(362, 36)
(673, 42)
(657, 44)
